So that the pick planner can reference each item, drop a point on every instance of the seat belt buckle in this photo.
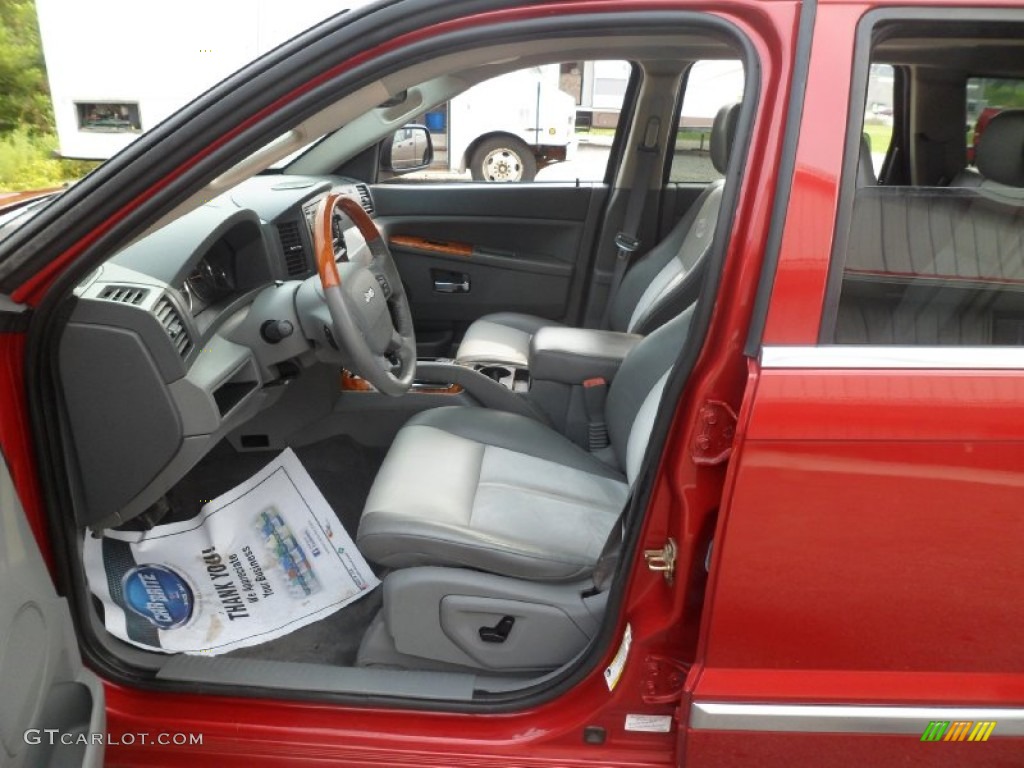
(595, 391)
(626, 243)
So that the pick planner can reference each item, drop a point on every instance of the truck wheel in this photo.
(503, 158)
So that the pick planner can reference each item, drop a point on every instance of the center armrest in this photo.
(573, 355)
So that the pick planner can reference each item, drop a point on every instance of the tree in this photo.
(24, 92)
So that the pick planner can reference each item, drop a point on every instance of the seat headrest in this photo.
(723, 133)
(1000, 153)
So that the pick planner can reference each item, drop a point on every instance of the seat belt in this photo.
(626, 240)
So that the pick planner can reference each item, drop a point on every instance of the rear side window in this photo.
(940, 261)
(710, 85)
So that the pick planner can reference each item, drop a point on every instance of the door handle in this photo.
(450, 282)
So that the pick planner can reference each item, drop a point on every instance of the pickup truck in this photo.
(713, 468)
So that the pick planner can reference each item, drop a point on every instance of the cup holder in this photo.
(495, 372)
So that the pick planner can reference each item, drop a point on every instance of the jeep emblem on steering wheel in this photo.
(368, 294)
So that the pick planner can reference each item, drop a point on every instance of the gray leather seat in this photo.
(657, 287)
(503, 493)
(999, 157)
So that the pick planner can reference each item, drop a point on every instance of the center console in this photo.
(563, 384)
(515, 378)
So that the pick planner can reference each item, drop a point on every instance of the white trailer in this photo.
(118, 67)
(506, 128)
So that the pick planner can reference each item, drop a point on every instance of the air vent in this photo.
(364, 198)
(124, 294)
(295, 263)
(171, 321)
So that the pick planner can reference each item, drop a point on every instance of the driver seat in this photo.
(500, 492)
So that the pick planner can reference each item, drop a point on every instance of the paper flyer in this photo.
(258, 562)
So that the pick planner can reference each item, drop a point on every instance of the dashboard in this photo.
(166, 349)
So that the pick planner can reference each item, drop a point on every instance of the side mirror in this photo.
(410, 149)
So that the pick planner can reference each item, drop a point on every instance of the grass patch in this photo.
(27, 162)
(880, 137)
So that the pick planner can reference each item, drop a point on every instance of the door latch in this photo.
(663, 560)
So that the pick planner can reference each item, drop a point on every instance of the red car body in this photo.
(908, 597)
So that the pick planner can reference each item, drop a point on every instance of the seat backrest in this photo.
(999, 156)
(636, 391)
(666, 279)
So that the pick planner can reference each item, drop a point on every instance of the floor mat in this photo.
(259, 562)
(343, 470)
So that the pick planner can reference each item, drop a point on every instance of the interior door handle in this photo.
(443, 286)
(451, 282)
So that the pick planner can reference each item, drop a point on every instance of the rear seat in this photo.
(999, 157)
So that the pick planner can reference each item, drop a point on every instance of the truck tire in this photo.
(503, 159)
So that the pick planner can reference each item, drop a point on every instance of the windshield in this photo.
(10, 220)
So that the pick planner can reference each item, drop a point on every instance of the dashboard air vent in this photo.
(124, 294)
(171, 321)
(294, 254)
(364, 198)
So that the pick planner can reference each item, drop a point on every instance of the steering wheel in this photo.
(369, 309)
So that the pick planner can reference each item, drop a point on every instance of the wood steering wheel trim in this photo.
(323, 234)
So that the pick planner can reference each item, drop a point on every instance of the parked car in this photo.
(979, 128)
(651, 471)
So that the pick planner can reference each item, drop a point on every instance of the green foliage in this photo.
(24, 93)
(26, 114)
(27, 162)
(1003, 93)
(879, 136)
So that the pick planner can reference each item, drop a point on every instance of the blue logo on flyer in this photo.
(159, 594)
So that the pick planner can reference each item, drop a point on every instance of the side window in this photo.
(554, 122)
(710, 85)
(939, 262)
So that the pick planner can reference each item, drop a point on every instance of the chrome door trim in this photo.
(840, 718)
(893, 357)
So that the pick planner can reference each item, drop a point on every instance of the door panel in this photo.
(44, 685)
(465, 250)
(870, 554)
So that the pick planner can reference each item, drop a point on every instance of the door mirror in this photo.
(410, 149)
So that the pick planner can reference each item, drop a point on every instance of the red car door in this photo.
(863, 600)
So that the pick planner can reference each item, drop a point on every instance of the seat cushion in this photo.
(490, 490)
(502, 337)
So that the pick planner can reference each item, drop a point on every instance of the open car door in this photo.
(52, 711)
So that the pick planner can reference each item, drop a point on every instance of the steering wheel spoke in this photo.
(370, 311)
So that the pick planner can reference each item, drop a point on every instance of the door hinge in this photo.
(664, 680)
(663, 560)
(715, 432)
